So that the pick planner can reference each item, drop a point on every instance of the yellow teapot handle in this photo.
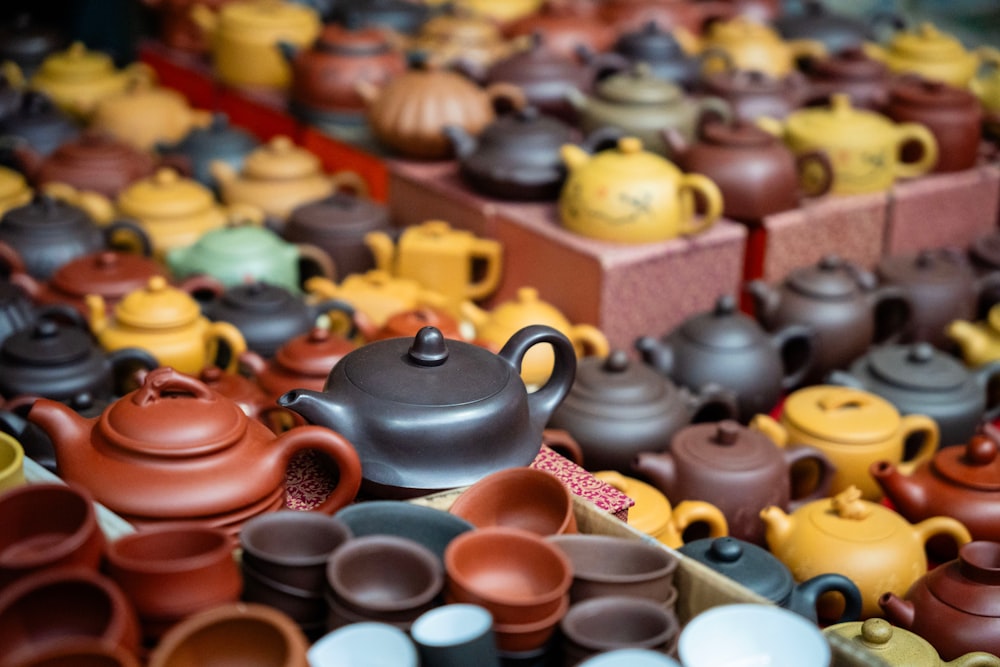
(692, 188)
(491, 254)
(907, 132)
(14, 74)
(231, 336)
(910, 424)
(689, 512)
(589, 341)
(942, 525)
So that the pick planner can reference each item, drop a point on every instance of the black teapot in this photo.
(219, 140)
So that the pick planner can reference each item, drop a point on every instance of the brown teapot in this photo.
(567, 25)
(251, 398)
(377, 294)
(898, 647)
(174, 449)
(864, 80)
(752, 93)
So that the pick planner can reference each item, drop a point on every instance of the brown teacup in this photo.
(610, 622)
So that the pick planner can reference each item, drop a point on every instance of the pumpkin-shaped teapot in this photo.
(173, 449)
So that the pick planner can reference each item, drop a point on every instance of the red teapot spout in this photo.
(897, 610)
(66, 429)
(906, 494)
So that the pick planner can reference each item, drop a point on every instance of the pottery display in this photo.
(660, 49)
(896, 646)
(931, 53)
(36, 126)
(500, 12)
(432, 527)
(853, 428)
(751, 94)
(651, 200)
(302, 362)
(873, 546)
(377, 294)
(248, 395)
(190, 454)
(501, 424)
(724, 347)
(144, 115)
(920, 379)
(864, 80)
(842, 304)
(743, 44)
(979, 341)
(520, 497)
(193, 153)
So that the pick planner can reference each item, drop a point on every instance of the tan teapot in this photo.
(869, 543)
(167, 322)
(441, 259)
(932, 54)
(378, 295)
(144, 115)
(979, 342)
(898, 647)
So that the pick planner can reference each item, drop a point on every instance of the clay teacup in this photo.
(614, 622)
(367, 643)
(306, 608)
(455, 635)
(431, 527)
(11, 463)
(234, 633)
(520, 497)
(47, 525)
(609, 565)
(65, 603)
(517, 641)
(630, 657)
(81, 652)
(517, 575)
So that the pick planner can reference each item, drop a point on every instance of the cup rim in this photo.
(668, 568)
(73, 541)
(477, 620)
(308, 517)
(387, 630)
(497, 482)
(127, 563)
(587, 607)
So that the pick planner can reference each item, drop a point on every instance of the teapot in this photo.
(37, 125)
(27, 40)
(630, 195)
(618, 408)
(427, 413)
(931, 53)
(409, 322)
(920, 379)
(177, 29)
(837, 31)
(962, 482)
(757, 175)
(467, 42)
(567, 27)
(868, 543)
(898, 647)
(280, 176)
(726, 348)
(688, 18)
(194, 152)
(167, 322)
(14, 190)
(248, 395)
(751, 94)
(853, 428)
(495, 327)
(661, 50)
(395, 17)
(143, 115)
(985, 85)
(173, 449)
(953, 606)
(866, 148)
(841, 302)
(739, 470)
(755, 568)
(377, 294)
(268, 315)
(979, 342)
(864, 80)
(441, 259)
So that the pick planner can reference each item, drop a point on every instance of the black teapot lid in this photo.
(930, 265)
(743, 562)
(340, 214)
(723, 327)
(47, 343)
(919, 366)
(45, 213)
(614, 383)
(218, 137)
(259, 296)
(525, 129)
(832, 277)
(650, 43)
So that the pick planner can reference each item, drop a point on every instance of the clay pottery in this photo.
(614, 622)
(11, 463)
(525, 641)
(841, 302)
(953, 115)
(14, 190)
(176, 28)
(920, 379)
(364, 641)
(662, 51)
(167, 322)
(931, 53)
(752, 93)
(377, 294)
(651, 199)
(835, 30)
(82, 652)
(36, 127)
(46, 233)
(961, 482)
(739, 471)
(495, 327)
(16, 310)
(27, 41)
(244, 38)
(756, 174)
(199, 454)
(392, 16)
(45, 526)
(618, 408)
(521, 497)
(853, 428)
(441, 259)
(868, 543)
(864, 80)
(744, 44)
(897, 646)
(278, 177)
(723, 347)
(454, 635)
(979, 342)
(611, 565)
(950, 606)
(567, 26)
(432, 527)
(410, 322)
(501, 424)
(867, 149)
(193, 153)
(307, 608)
(172, 571)
(642, 105)
(249, 634)
(467, 42)
(64, 603)
(627, 15)
(247, 394)
(145, 115)
(758, 570)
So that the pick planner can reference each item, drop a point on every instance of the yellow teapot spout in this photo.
(383, 250)
(972, 339)
(573, 156)
(474, 314)
(778, 524)
(223, 172)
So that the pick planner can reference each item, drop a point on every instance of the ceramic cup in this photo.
(753, 635)
(521, 497)
(304, 607)
(455, 635)
(614, 622)
(11, 463)
(368, 644)
(81, 652)
(630, 657)
(47, 525)
(431, 527)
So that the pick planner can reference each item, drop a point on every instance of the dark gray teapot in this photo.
(219, 140)
(428, 413)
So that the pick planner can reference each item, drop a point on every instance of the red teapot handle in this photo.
(163, 379)
(338, 449)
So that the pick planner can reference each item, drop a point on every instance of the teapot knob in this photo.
(616, 362)
(980, 451)
(46, 329)
(876, 632)
(106, 260)
(921, 353)
(831, 263)
(319, 335)
(165, 177)
(727, 432)
(726, 549)
(725, 305)
(211, 374)
(428, 348)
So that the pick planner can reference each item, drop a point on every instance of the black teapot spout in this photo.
(314, 406)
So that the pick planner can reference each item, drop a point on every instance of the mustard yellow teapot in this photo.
(979, 342)
(376, 295)
(144, 114)
(898, 647)
(167, 322)
(630, 195)
(932, 54)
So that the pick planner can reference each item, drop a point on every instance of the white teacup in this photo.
(366, 644)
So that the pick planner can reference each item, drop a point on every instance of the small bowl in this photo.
(431, 527)
(522, 497)
(368, 643)
(517, 575)
(522, 637)
(303, 607)
(614, 622)
(609, 565)
(340, 614)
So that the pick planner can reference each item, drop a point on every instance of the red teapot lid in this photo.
(970, 582)
(737, 133)
(313, 353)
(975, 465)
(108, 273)
(914, 90)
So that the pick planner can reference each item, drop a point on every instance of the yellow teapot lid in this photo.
(157, 306)
(927, 43)
(165, 194)
(281, 159)
(850, 518)
(840, 119)
(76, 63)
(841, 414)
(629, 158)
(527, 308)
(268, 15)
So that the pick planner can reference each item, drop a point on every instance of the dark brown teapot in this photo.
(618, 408)
(727, 348)
(851, 72)
(843, 305)
(219, 140)
(752, 93)
(739, 470)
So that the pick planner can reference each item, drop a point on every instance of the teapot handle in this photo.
(133, 229)
(689, 512)
(350, 181)
(337, 448)
(910, 425)
(543, 402)
(490, 252)
(589, 341)
(124, 358)
(915, 132)
(770, 427)
(816, 483)
(942, 525)
(312, 255)
(796, 343)
(806, 595)
(815, 173)
(892, 311)
(339, 307)
(693, 186)
(226, 333)
(563, 443)
(986, 375)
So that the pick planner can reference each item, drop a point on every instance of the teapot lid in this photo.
(969, 583)
(313, 353)
(609, 385)
(900, 646)
(744, 562)
(108, 273)
(427, 369)
(851, 63)
(745, 81)
(638, 85)
(238, 241)
(528, 308)
(919, 366)
(926, 43)
(738, 133)
(218, 136)
(525, 127)
(838, 117)
(259, 296)
(342, 214)
(841, 414)
(831, 278)
(850, 518)
(47, 343)
(724, 445)
(651, 43)
(723, 327)
(917, 91)
(157, 305)
(166, 193)
(973, 466)
(76, 63)
(538, 62)
(98, 150)
(281, 159)
(927, 266)
(45, 213)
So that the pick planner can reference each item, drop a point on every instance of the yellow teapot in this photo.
(144, 115)
(868, 543)
(14, 189)
(898, 647)
(278, 177)
(167, 322)
(864, 147)
(499, 11)
(979, 342)
(495, 327)
(932, 54)
(376, 295)
(630, 195)
(441, 259)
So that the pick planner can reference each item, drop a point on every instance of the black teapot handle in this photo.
(986, 376)
(543, 402)
(806, 595)
(144, 244)
(800, 458)
(892, 310)
(796, 343)
(63, 313)
(129, 360)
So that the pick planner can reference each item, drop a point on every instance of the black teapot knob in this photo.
(726, 550)
(616, 362)
(428, 347)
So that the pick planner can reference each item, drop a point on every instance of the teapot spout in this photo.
(658, 469)
(909, 496)
(897, 610)
(778, 525)
(656, 353)
(383, 250)
(67, 430)
(765, 298)
(970, 338)
(315, 407)
(462, 142)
